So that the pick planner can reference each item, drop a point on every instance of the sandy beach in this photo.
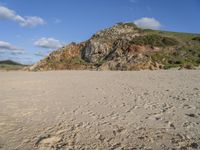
(71, 110)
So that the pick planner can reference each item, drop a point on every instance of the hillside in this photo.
(126, 47)
(10, 65)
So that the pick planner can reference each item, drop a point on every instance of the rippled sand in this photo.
(100, 110)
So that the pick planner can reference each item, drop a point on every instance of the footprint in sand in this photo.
(116, 146)
(155, 117)
(131, 109)
(186, 106)
(189, 124)
(100, 137)
(1, 146)
(192, 115)
(49, 142)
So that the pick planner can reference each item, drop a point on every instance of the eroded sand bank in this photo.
(100, 110)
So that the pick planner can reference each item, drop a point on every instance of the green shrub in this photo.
(186, 57)
(169, 66)
(77, 60)
(154, 40)
(196, 39)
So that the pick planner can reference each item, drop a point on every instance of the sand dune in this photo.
(149, 110)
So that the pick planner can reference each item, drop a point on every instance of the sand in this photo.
(66, 110)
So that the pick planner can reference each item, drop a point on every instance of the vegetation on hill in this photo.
(9, 62)
(10, 65)
(127, 47)
(196, 39)
(154, 40)
(183, 57)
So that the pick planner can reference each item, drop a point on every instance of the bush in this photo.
(188, 66)
(77, 60)
(196, 39)
(185, 57)
(154, 40)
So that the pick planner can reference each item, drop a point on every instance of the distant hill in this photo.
(9, 62)
(10, 65)
(126, 47)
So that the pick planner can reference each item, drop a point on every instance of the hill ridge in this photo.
(126, 47)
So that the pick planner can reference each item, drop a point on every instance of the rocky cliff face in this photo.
(121, 47)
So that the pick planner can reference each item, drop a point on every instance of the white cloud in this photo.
(7, 46)
(29, 21)
(6, 13)
(148, 23)
(17, 52)
(32, 21)
(49, 43)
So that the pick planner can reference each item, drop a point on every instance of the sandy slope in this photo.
(100, 110)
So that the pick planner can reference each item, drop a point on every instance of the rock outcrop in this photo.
(121, 47)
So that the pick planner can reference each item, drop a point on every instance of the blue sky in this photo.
(30, 29)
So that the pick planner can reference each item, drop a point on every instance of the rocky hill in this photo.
(126, 47)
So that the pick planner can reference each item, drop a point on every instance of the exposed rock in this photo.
(121, 47)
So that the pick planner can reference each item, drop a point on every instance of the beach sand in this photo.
(116, 110)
